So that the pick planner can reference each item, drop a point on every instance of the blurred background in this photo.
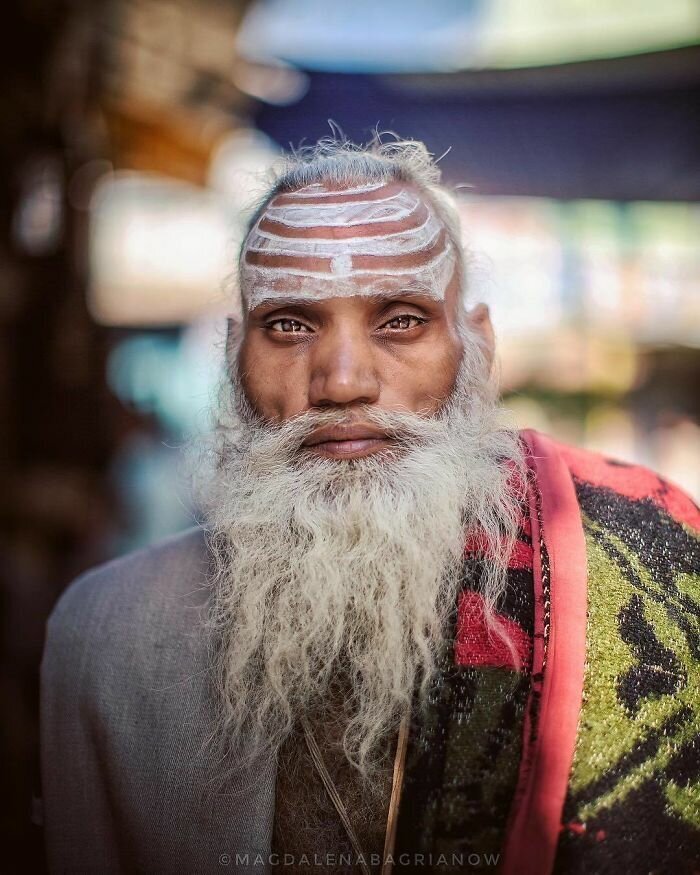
(136, 133)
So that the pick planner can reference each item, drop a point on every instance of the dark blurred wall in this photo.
(88, 87)
(56, 417)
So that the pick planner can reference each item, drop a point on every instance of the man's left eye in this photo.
(402, 323)
(287, 326)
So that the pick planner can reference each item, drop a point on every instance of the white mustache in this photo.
(407, 428)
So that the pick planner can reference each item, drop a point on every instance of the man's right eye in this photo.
(286, 326)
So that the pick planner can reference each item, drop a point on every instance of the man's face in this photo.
(354, 300)
(353, 341)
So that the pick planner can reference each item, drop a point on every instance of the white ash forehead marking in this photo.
(393, 208)
(385, 258)
(409, 240)
(324, 271)
(312, 246)
(341, 265)
(263, 285)
(317, 189)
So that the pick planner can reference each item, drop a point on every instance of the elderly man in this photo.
(405, 636)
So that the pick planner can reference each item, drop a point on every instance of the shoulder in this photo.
(133, 604)
(605, 486)
(144, 580)
(600, 478)
(126, 706)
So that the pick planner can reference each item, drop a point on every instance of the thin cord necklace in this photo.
(332, 790)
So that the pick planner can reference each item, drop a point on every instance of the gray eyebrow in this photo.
(375, 294)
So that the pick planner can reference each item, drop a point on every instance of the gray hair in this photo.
(341, 163)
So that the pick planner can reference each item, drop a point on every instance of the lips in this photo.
(352, 441)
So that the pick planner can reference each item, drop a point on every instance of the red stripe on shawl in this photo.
(520, 557)
(632, 481)
(474, 645)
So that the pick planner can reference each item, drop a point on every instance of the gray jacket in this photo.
(129, 781)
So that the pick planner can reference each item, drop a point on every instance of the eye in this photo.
(287, 326)
(404, 322)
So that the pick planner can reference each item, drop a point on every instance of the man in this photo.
(405, 635)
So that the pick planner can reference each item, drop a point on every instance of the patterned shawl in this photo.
(586, 757)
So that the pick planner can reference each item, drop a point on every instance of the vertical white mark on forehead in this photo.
(341, 265)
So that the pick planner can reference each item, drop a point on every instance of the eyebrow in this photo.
(379, 295)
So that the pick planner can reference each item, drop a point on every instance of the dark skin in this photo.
(394, 351)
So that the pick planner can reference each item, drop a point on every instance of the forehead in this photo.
(320, 242)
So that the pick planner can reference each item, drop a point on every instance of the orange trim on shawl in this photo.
(535, 819)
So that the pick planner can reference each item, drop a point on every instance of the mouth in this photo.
(347, 441)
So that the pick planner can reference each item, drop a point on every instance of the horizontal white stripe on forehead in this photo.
(390, 209)
(411, 240)
(336, 273)
(264, 284)
(317, 189)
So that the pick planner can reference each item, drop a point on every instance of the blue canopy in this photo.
(620, 129)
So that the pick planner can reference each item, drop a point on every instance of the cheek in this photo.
(424, 379)
(275, 392)
(437, 381)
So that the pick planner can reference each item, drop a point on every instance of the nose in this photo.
(343, 370)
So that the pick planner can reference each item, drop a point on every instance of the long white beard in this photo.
(328, 568)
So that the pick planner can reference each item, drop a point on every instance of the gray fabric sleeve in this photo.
(129, 780)
(78, 822)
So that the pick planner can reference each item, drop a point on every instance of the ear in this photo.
(479, 320)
